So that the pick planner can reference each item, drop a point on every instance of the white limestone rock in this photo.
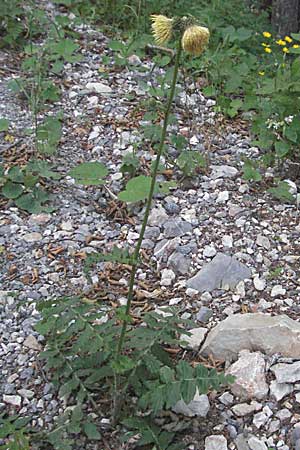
(199, 406)
(195, 339)
(249, 372)
(255, 332)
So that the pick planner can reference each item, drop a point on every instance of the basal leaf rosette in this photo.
(195, 39)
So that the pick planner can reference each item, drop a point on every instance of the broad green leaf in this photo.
(42, 168)
(282, 148)
(30, 180)
(282, 192)
(190, 161)
(68, 387)
(89, 173)
(65, 48)
(130, 163)
(166, 186)
(12, 190)
(296, 36)
(4, 124)
(91, 431)
(29, 203)
(290, 132)
(137, 189)
(116, 45)
(250, 172)
(15, 174)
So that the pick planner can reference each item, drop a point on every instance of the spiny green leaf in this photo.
(89, 173)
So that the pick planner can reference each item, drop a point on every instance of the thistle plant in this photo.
(193, 39)
(82, 347)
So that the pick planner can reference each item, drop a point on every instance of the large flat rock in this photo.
(223, 271)
(254, 332)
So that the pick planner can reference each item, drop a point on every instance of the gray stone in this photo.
(26, 393)
(263, 241)
(32, 343)
(254, 331)
(167, 277)
(260, 419)
(199, 406)
(249, 373)
(277, 290)
(280, 390)
(287, 373)
(209, 251)
(226, 398)
(241, 443)
(256, 444)
(283, 414)
(223, 171)
(204, 314)
(14, 400)
(243, 409)
(165, 247)
(221, 272)
(176, 227)
(295, 434)
(32, 237)
(195, 339)
(179, 263)
(157, 217)
(216, 442)
(99, 88)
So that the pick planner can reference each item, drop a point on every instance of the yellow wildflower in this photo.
(285, 50)
(195, 39)
(280, 42)
(288, 39)
(296, 46)
(266, 34)
(261, 73)
(162, 28)
(268, 50)
(9, 138)
(265, 45)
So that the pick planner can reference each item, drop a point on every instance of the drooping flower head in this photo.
(162, 28)
(195, 39)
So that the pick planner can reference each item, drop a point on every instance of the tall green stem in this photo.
(117, 399)
(150, 197)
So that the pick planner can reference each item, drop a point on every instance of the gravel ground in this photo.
(215, 212)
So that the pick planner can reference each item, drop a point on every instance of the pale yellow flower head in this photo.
(266, 34)
(162, 28)
(195, 39)
(288, 39)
